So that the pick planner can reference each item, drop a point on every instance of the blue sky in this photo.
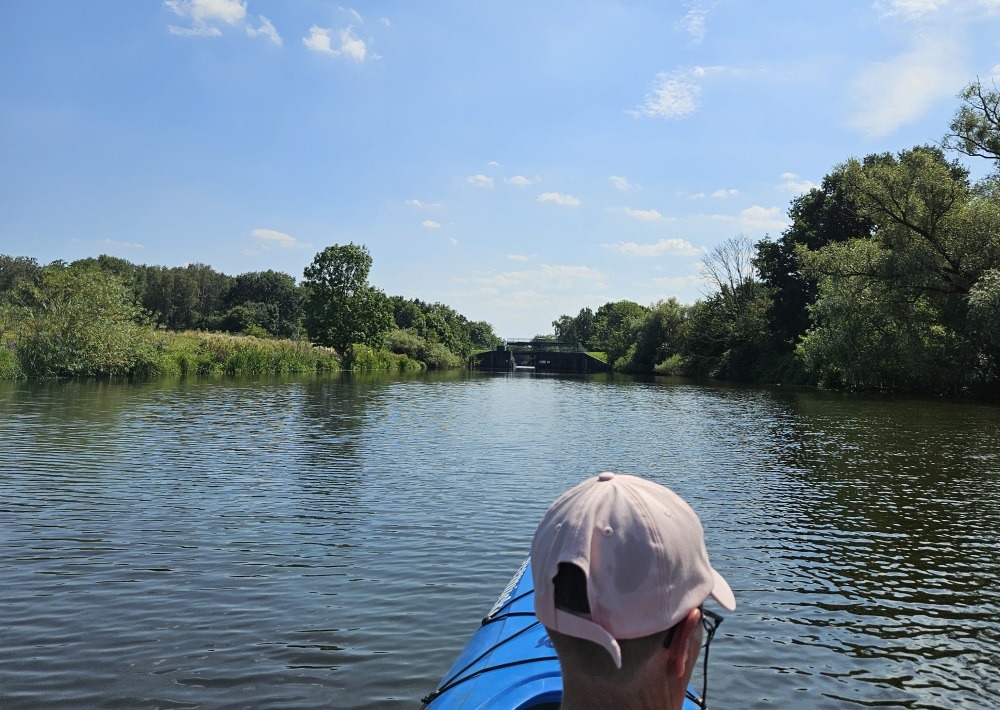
(516, 161)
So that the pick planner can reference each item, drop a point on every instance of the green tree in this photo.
(266, 299)
(824, 215)
(613, 324)
(975, 129)
(656, 336)
(893, 309)
(15, 270)
(341, 308)
(80, 321)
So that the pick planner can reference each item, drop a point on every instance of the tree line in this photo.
(888, 278)
(94, 316)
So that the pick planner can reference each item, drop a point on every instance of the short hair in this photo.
(582, 656)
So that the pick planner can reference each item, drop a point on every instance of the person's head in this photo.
(621, 572)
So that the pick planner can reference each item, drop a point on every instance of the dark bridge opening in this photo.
(546, 356)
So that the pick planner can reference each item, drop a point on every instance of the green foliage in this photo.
(79, 322)
(975, 130)
(17, 269)
(656, 336)
(578, 331)
(434, 355)
(613, 324)
(197, 353)
(265, 300)
(362, 357)
(341, 308)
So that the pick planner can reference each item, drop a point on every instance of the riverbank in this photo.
(162, 354)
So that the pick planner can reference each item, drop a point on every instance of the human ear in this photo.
(685, 633)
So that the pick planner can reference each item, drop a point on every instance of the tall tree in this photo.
(341, 307)
(975, 129)
(270, 299)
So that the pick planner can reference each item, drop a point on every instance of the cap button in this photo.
(606, 476)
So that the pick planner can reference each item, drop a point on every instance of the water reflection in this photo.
(317, 542)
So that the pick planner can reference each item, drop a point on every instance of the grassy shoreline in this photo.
(202, 353)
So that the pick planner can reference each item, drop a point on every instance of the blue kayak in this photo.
(509, 663)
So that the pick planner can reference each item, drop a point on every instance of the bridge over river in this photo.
(547, 356)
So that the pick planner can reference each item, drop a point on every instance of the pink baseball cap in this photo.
(642, 550)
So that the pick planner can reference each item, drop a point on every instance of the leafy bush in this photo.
(363, 357)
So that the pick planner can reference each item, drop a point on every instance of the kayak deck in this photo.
(509, 663)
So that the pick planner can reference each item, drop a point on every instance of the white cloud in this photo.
(522, 181)
(673, 95)
(319, 40)
(545, 278)
(480, 180)
(647, 215)
(269, 237)
(559, 199)
(493, 164)
(208, 11)
(197, 31)
(124, 245)
(676, 94)
(355, 15)
(453, 241)
(423, 205)
(430, 224)
(695, 18)
(763, 218)
(795, 184)
(908, 9)
(518, 257)
(266, 29)
(723, 193)
(891, 94)
(621, 183)
(676, 247)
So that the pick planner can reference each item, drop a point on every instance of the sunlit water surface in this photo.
(332, 543)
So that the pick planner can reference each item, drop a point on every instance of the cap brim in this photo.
(723, 593)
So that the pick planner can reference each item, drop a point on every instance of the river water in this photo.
(332, 543)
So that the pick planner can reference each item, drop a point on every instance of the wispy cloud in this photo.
(480, 180)
(423, 205)
(674, 94)
(267, 238)
(522, 181)
(696, 17)
(719, 194)
(893, 93)
(793, 183)
(430, 224)
(205, 15)
(621, 183)
(319, 40)
(545, 277)
(674, 247)
(519, 257)
(123, 245)
(559, 199)
(908, 9)
(757, 218)
(646, 215)
(266, 29)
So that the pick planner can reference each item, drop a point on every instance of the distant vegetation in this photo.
(107, 317)
(887, 279)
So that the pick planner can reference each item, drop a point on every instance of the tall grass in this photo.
(362, 357)
(198, 353)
